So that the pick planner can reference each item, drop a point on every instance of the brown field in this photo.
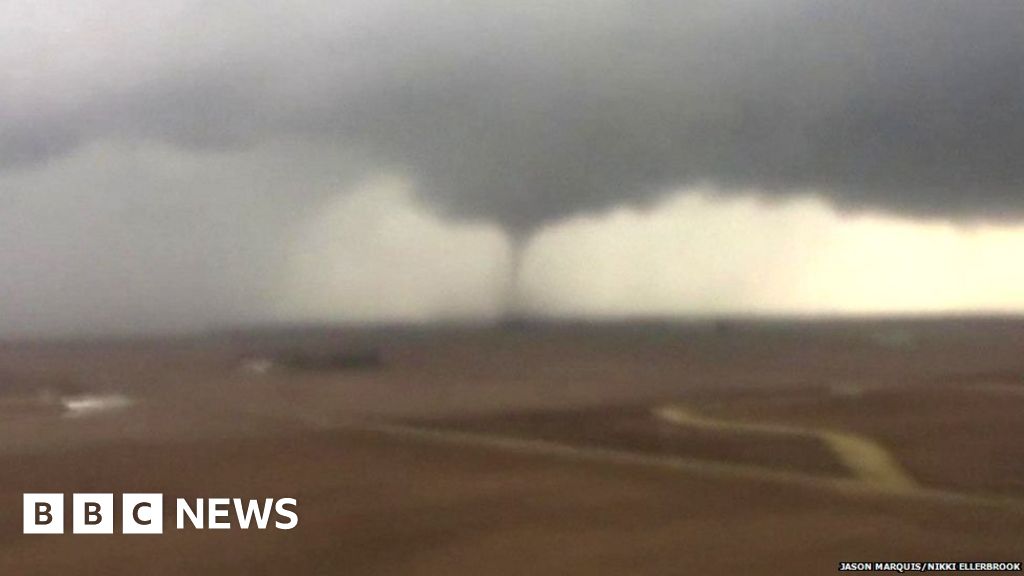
(532, 449)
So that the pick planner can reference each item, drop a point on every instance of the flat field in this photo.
(754, 447)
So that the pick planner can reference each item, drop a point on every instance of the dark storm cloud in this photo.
(522, 113)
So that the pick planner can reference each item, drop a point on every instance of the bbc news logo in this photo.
(144, 513)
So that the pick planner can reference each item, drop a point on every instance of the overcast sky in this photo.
(184, 164)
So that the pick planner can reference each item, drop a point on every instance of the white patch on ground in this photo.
(257, 365)
(92, 404)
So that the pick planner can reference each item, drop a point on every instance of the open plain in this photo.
(746, 446)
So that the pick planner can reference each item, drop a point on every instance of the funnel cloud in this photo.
(519, 114)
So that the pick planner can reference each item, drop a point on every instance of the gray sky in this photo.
(175, 164)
